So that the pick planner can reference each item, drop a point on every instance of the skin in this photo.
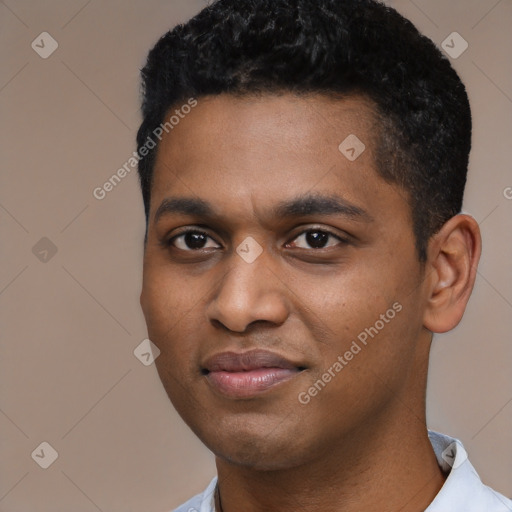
(345, 449)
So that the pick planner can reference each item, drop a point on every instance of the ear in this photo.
(452, 260)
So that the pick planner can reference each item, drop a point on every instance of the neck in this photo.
(388, 472)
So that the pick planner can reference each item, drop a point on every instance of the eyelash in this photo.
(169, 243)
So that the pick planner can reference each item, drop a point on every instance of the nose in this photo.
(248, 293)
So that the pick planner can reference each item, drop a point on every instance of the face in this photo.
(281, 281)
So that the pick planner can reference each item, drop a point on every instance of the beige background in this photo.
(69, 325)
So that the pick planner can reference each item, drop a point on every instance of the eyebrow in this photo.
(185, 206)
(305, 205)
(320, 204)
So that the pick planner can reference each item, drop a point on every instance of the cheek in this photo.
(350, 300)
(368, 315)
(172, 326)
(171, 309)
(166, 298)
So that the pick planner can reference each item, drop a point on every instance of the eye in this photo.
(317, 239)
(192, 241)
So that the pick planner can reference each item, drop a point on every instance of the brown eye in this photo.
(317, 239)
(193, 240)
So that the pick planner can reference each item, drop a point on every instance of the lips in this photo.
(247, 374)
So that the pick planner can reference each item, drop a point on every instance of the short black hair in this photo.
(332, 47)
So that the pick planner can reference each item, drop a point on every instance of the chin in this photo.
(253, 458)
(256, 450)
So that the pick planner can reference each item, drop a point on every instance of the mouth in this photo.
(247, 374)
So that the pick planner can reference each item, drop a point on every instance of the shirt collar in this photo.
(463, 490)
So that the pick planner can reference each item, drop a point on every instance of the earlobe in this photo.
(453, 257)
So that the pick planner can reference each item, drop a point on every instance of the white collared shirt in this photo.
(463, 491)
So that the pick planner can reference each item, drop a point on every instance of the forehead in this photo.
(294, 124)
(259, 150)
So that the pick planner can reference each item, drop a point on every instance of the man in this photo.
(303, 167)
